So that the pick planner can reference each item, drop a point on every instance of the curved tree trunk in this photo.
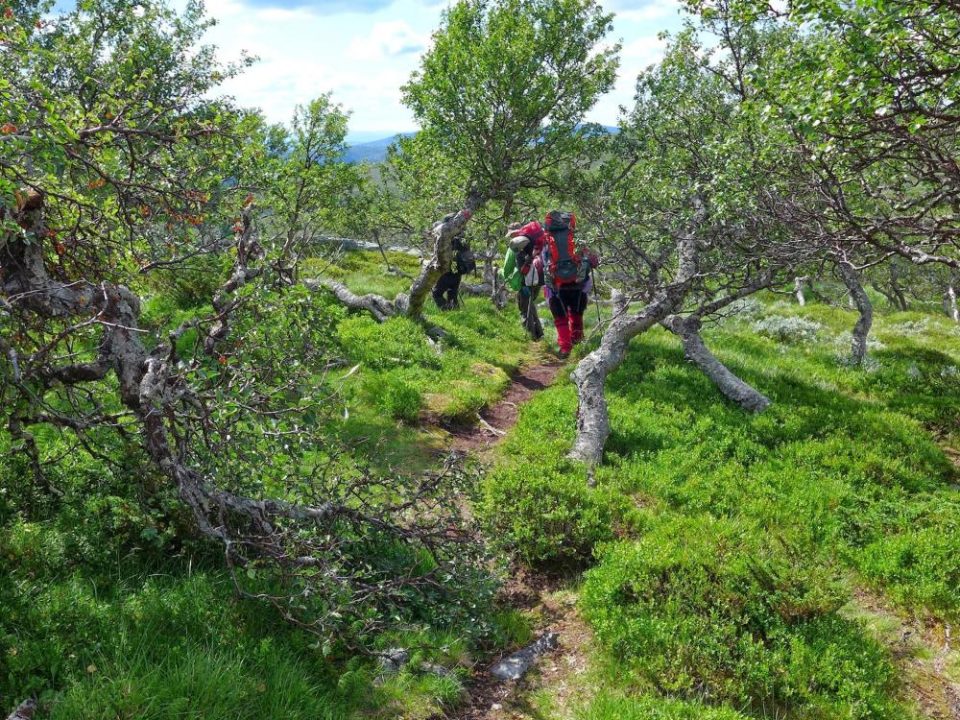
(732, 387)
(901, 300)
(412, 304)
(590, 376)
(851, 278)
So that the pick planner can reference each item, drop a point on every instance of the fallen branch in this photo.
(488, 427)
(377, 305)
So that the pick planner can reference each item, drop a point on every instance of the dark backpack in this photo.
(464, 259)
(566, 263)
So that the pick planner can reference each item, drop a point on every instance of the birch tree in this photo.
(687, 205)
(500, 95)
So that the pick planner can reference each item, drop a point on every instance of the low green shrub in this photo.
(398, 342)
(395, 395)
(617, 707)
(710, 608)
(545, 516)
(920, 568)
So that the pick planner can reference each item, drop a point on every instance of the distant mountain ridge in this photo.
(375, 151)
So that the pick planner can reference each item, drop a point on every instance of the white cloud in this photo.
(364, 59)
(648, 11)
(636, 56)
(386, 40)
(643, 51)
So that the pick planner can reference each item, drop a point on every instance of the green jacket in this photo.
(510, 272)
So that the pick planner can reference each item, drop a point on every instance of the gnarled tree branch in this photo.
(411, 303)
(696, 351)
(590, 376)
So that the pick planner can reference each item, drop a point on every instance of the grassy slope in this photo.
(103, 619)
(727, 548)
(102, 614)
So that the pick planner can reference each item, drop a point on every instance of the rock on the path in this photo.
(24, 711)
(517, 665)
(393, 660)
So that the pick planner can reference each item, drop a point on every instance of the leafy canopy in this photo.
(508, 81)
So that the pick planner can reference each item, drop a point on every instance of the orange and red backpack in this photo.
(566, 263)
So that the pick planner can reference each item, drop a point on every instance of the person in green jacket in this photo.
(522, 272)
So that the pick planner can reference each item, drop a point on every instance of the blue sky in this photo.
(364, 50)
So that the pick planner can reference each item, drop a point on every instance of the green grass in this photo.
(365, 272)
(404, 384)
(612, 706)
(169, 645)
(109, 609)
(736, 539)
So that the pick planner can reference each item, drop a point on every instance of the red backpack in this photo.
(566, 264)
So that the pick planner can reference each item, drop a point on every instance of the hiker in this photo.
(523, 272)
(446, 293)
(567, 278)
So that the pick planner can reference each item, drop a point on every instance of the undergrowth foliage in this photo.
(732, 545)
(113, 606)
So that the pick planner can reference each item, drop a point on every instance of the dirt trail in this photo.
(495, 421)
(556, 683)
(923, 651)
(553, 606)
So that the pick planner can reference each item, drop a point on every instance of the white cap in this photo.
(519, 242)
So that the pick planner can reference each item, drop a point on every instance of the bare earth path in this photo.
(553, 607)
(498, 419)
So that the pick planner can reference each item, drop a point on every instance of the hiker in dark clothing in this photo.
(446, 293)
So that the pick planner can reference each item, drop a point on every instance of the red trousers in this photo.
(567, 306)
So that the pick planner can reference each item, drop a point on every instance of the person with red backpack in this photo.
(567, 278)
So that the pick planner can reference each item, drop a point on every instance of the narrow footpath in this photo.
(496, 421)
(552, 681)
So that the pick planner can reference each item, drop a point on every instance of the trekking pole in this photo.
(596, 296)
(530, 308)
